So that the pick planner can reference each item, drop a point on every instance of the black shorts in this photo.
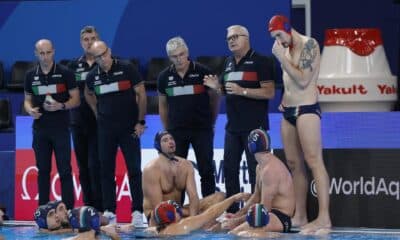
(285, 220)
(292, 113)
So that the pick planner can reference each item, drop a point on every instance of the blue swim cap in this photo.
(40, 215)
(258, 141)
(54, 204)
(257, 216)
(84, 219)
(157, 139)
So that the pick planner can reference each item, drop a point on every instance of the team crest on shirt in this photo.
(171, 83)
(171, 78)
(80, 65)
(194, 75)
(36, 78)
(229, 67)
(96, 77)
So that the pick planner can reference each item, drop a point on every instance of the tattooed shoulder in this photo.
(308, 55)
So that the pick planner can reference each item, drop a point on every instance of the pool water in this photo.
(19, 232)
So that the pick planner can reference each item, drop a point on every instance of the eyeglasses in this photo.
(234, 37)
(98, 57)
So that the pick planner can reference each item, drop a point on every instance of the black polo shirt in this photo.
(57, 83)
(116, 99)
(187, 97)
(243, 113)
(82, 115)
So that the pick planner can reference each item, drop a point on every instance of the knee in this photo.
(314, 161)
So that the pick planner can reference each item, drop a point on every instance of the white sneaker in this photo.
(112, 218)
(137, 219)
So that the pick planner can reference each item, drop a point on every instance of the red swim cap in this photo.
(279, 22)
(164, 213)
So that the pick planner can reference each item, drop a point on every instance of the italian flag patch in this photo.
(51, 89)
(185, 90)
(113, 87)
(240, 76)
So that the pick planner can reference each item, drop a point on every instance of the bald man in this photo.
(299, 57)
(50, 91)
(116, 93)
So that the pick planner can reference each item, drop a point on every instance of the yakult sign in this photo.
(354, 73)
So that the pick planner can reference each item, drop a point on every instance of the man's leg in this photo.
(294, 158)
(233, 150)
(130, 147)
(43, 150)
(95, 168)
(80, 139)
(107, 154)
(62, 151)
(309, 131)
(181, 142)
(203, 146)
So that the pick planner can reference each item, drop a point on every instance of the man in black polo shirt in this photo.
(116, 93)
(188, 109)
(248, 83)
(50, 90)
(84, 127)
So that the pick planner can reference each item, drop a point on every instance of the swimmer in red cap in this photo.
(167, 177)
(169, 221)
(299, 57)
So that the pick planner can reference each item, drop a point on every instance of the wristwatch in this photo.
(142, 122)
(245, 92)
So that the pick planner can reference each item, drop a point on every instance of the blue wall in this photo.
(135, 28)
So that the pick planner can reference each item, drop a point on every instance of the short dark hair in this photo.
(88, 29)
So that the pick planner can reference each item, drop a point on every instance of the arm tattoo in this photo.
(308, 55)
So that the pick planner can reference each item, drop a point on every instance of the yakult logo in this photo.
(371, 186)
(387, 89)
(355, 89)
(334, 90)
